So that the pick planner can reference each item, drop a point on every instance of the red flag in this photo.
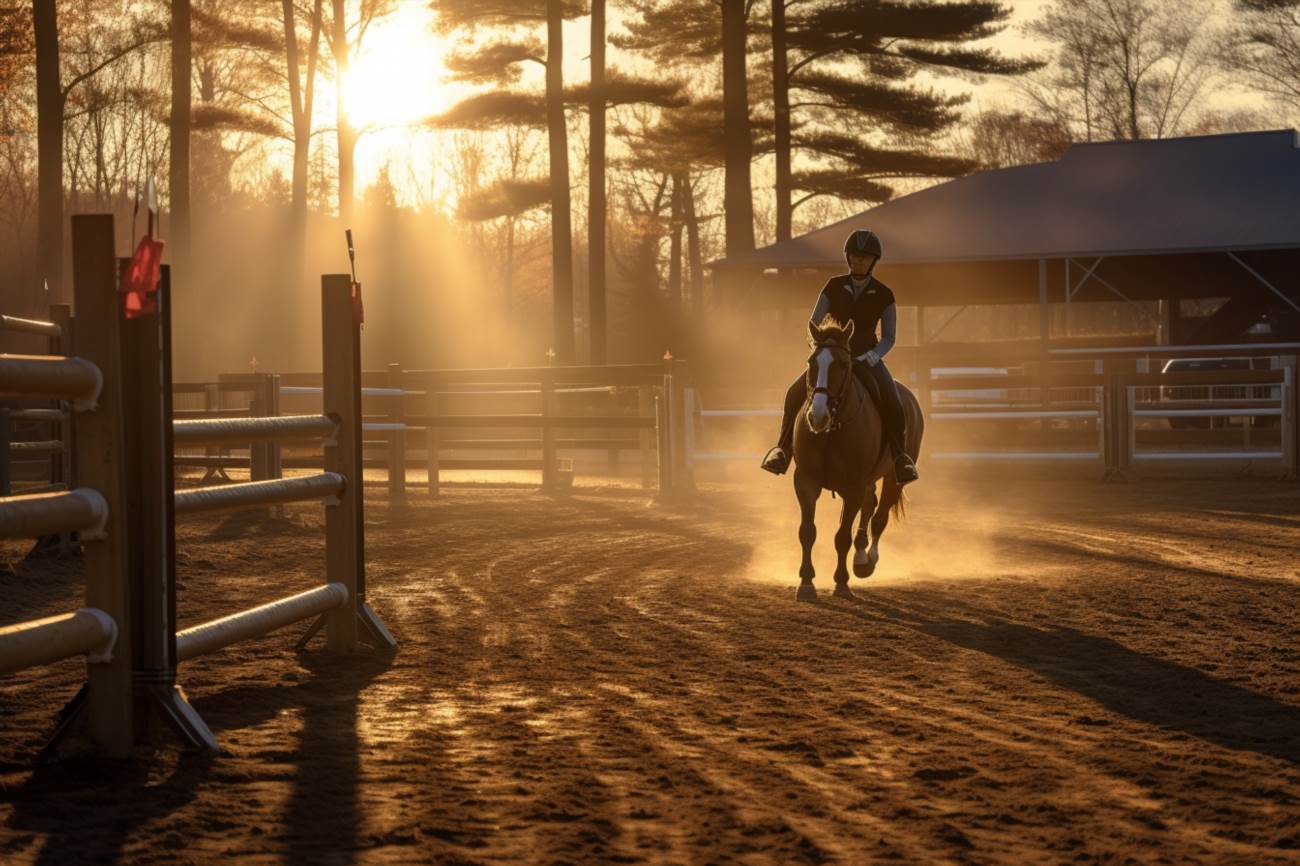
(140, 293)
(358, 311)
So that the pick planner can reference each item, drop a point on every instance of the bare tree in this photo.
(997, 138)
(1264, 44)
(1126, 69)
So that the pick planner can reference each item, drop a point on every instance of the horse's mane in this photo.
(831, 328)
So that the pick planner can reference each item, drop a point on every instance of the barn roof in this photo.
(1124, 198)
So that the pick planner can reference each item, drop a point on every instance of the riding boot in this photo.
(895, 424)
(777, 459)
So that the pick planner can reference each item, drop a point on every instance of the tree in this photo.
(302, 94)
(738, 193)
(52, 95)
(179, 163)
(853, 64)
(341, 46)
(596, 190)
(1124, 69)
(498, 61)
(1000, 138)
(1264, 43)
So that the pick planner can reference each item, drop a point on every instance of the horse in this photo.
(839, 446)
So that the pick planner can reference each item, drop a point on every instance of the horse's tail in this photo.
(900, 505)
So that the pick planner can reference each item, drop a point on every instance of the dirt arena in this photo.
(1052, 673)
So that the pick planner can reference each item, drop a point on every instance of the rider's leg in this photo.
(777, 460)
(891, 408)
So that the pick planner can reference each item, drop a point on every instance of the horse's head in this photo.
(830, 369)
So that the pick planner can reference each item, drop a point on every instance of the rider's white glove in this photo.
(871, 358)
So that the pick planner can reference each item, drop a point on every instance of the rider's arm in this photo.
(888, 334)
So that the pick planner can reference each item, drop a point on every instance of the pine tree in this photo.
(846, 97)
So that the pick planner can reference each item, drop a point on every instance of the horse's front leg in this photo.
(844, 541)
(862, 541)
(807, 490)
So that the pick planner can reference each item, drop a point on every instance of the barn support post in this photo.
(1130, 424)
(1044, 329)
(1287, 428)
(397, 439)
(6, 483)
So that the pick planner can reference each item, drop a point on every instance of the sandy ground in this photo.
(1040, 673)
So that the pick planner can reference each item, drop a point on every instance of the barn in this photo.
(1203, 230)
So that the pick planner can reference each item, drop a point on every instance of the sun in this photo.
(396, 75)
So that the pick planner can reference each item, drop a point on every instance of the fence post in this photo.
(431, 446)
(688, 440)
(549, 479)
(259, 468)
(663, 439)
(212, 403)
(396, 440)
(649, 453)
(102, 456)
(275, 453)
(677, 376)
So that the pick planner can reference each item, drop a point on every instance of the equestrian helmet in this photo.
(863, 243)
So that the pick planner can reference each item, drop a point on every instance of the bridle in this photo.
(833, 401)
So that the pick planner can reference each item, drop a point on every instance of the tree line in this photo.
(700, 129)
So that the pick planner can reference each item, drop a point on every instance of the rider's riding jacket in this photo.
(866, 303)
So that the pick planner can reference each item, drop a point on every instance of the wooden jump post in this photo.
(92, 383)
(339, 603)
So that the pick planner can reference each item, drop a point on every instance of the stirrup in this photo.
(776, 460)
(905, 470)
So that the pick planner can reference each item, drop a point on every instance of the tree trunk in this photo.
(675, 247)
(781, 108)
(738, 197)
(694, 256)
(49, 149)
(347, 137)
(596, 190)
(561, 229)
(179, 165)
(301, 96)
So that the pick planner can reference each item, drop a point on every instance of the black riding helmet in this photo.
(862, 243)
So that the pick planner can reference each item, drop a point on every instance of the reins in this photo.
(833, 400)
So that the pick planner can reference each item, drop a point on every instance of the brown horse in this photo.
(838, 446)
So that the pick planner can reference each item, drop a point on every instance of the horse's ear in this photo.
(813, 334)
(848, 332)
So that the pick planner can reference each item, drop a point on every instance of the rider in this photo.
(861, 298)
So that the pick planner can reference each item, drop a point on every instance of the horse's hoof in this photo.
(864, 569)
(806, 593)
(842, 591)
